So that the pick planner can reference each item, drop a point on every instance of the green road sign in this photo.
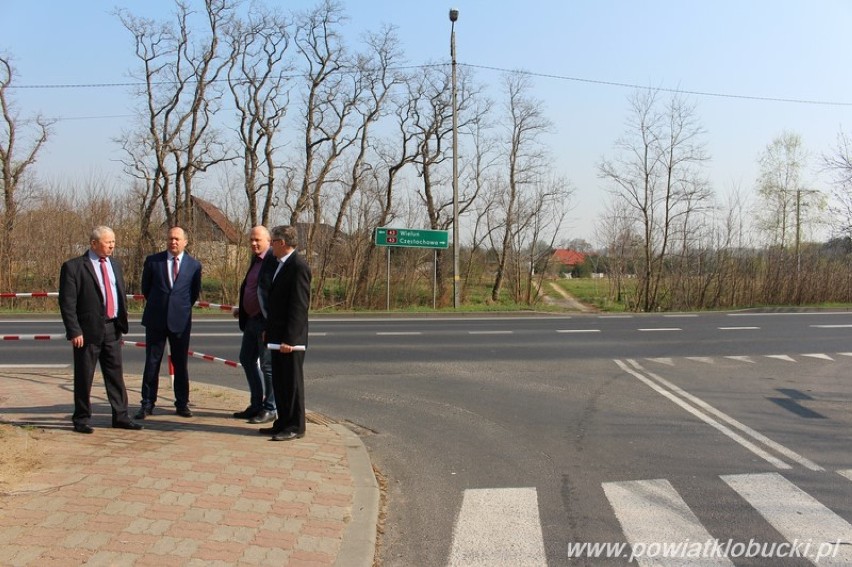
(412, 238)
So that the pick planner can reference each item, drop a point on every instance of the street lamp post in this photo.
(454, 15)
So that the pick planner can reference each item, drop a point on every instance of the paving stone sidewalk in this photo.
(205, 491)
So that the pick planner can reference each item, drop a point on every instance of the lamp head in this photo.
(454, 14)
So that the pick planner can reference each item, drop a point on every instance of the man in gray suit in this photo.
(94, 312)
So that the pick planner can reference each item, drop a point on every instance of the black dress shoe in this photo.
(143, 411)
(83, 428)
(184, 412)
(287, 436)
(247, 413)
(132, 425)
(263, 417)
(268, 431)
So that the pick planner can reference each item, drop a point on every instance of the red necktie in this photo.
(110, 305)
(174, 270)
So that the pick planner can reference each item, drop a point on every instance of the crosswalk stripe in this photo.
(847, 473)
(667, 361)
(741, 359)
(795, 514)
(653, 511)
(498, 526)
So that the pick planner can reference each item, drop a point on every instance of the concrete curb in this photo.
(359, 541)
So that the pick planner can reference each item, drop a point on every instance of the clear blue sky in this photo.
(779, 49)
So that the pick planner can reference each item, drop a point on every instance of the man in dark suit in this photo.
(254, 356)
(171, 284)
(289, 298)
(92, 303)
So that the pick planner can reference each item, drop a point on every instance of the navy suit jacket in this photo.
(289, 300)
(169, 308)
(81, 300)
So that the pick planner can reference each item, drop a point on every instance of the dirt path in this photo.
(568, 301)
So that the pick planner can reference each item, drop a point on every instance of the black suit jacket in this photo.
(264, 280)
(289, 300)
(169, 308)
(81, 300)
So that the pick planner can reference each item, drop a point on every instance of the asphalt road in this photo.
(507, 440)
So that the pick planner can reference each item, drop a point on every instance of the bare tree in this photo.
(181, 95)
(258, 79)
(780, 186)
(658, 175)
(525, 158)
(21, 141)
(838, 163)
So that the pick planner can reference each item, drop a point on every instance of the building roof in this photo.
(218, 218)
(568, 257)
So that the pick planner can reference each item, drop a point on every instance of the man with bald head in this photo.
(254, 356)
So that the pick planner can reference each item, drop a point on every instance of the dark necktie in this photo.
(110, 304)
(174, 270)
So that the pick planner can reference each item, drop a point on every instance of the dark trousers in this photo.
(257, 364)
(155, 345)
(288, 382)
(108, 354)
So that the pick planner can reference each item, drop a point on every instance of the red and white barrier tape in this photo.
(30, 294)
(200, 355)
(134, 296)
(32, 337)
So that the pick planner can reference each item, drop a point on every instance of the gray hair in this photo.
(287, 233)
(100, 231)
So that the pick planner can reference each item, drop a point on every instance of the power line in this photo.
(618, 84)
(664, 89)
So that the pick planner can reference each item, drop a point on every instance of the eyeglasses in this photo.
(274, 240)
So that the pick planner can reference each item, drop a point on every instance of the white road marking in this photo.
(757, 436)
(736, 437)
(681, 315)
(831, 326)
(704, 359)
(819, 356)
(741, 359)
(667, 361)
(498, 526)
(738, 328)
(783, 357)
(490, 332)
(578, 330)
(660, 329)
(397, 333)
(795, 514)
(652, 511)
(847, 473)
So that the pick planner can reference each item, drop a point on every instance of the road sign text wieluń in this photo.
(412, 238)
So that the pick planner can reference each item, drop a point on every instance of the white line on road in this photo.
(819, 356)
(490, 332)
(681, 315)
(847, 473)
(498, 526)
(661, 329)
(783, 357)
(578, 330)
(831, 326)
(741, 359)
(738, 328)
(397, 333)
(774, 461)
(795, 514)
(653, 511)
(704, 359)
